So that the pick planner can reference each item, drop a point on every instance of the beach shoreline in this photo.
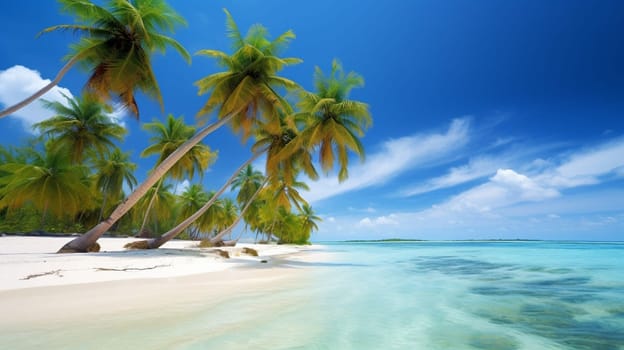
(39, 286)
(27, 262)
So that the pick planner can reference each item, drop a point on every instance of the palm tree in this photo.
(247, 181)
(331, 122)
(159, 200)
(50, 183)
(165, 140)
(229, 214)
(271, 142)
(246, 91)
(112, 172)
(167, 236)
(115, 47)
(209, 220)
(308, 219)
(79, 127)
(190, 201)
(240, 93)
(169, 136)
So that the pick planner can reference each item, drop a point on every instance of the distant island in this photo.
(445, 240)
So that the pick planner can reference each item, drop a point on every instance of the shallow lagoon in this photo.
(416, 295)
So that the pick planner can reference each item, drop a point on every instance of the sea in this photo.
(498, 295)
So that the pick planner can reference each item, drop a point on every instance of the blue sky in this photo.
(492, 119)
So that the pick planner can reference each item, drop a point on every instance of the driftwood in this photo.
(130, 268)
(55, 272)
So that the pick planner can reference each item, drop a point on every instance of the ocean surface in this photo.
(416, 295)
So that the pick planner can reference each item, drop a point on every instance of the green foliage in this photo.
(80, 127)
(117, 42)
(50, 183)
(330, 122)
(166, 138)
(79, 174)
(247, 88)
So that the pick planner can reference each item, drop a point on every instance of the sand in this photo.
(38, 286)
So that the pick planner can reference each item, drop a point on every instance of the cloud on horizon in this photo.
(513, 202)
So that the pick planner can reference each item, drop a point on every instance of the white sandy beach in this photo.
(38, 286)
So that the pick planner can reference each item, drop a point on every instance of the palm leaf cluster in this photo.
(248, 91)
(116, 45)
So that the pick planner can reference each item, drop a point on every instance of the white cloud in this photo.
(19, 82)
(475, 169)
(379, 221)
(586, 167)
(530, 199)
(395, 157)
(505, 188)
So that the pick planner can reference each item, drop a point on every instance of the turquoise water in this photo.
(424, 295)
(473, 295)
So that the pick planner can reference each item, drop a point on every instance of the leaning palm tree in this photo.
(112, 172)
(80, 127)
(247, 182)
(115, 47)
(270, 143)
(160, 200)
(166, 138)
(330, 121)
(244, 90)
(189, 202)
(209, 221)
(49, 182)
(228, 214)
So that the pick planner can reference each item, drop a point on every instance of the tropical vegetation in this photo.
(74, 175)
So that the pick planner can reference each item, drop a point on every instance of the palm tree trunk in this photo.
(149, 207)
(45, 211)
(43, 90)
(219, 236)
(104, 200)
(166, 237)
(82, 243)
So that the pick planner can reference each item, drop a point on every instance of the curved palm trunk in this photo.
(82, 243)
(219, 236)
(104, 200)
(42, 91)
(149, 207)
(166, 237)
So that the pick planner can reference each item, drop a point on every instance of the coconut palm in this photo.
(166, 138)
(247, 182)
(169, 136)
(115, 47)
(280, 181)
(308, 219)
(49, 182)
(208, 222)
(228, 214)
(240, 93)
(190, 201)
(330, 121)
(80, 127)
(159, 199)
(269, 142)
(167, 236)
(112, 171)
(246, 91)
